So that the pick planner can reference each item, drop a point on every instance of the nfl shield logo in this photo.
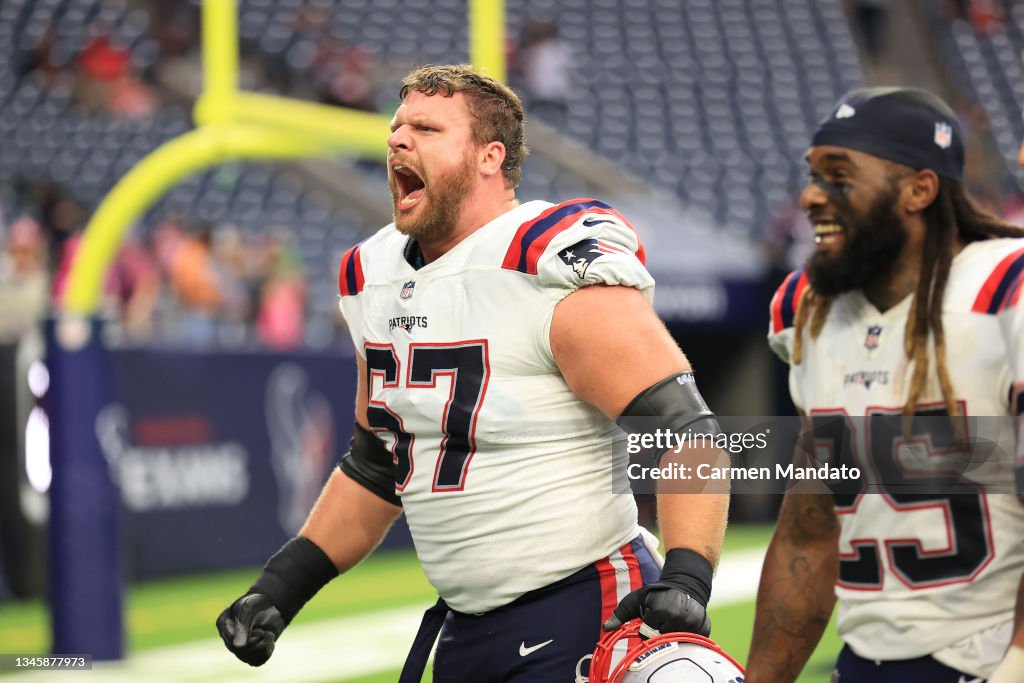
(943, 135)
(407, 290)
(871, 341)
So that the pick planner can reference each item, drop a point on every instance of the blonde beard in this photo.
(444, 198)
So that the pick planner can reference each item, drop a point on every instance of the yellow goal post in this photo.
(235, 124)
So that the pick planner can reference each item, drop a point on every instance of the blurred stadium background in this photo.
(231, 373)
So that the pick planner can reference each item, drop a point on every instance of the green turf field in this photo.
(170, 612)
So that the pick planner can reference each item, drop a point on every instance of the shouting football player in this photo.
(497, 344)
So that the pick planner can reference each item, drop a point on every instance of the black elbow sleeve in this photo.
(673, 404)
(370, 464)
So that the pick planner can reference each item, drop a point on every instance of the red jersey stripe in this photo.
(992, 293)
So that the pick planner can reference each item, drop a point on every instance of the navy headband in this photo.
(905, 125)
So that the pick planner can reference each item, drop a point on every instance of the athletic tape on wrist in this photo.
(294, 574)
(691, 570)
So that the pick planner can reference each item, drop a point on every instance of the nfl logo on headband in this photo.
(845, 111)
(943, 135)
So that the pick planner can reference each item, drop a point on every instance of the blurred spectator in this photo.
(101, 64)
(104, 60)
(231, 262)
(24, 281)
(985, 15)
(282, 312)
(108, 83)
(175, 27)
(542, 62)
(872, 17)
(341, 75)
(130, 290)
(958, 9)
(195, 280)
(61, 217)
(130, 98)
(139, 289)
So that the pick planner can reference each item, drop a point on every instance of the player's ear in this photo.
(920, 190)
(492, 156)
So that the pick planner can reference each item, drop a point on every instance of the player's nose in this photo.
(400, 139)
(812, 196)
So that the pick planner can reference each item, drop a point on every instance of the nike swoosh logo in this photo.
(594, 221)
(963, 679)
(523, 650)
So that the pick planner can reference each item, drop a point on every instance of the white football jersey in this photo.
(934, 574)
(505, 475)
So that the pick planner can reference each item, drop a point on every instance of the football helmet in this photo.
(667, 658)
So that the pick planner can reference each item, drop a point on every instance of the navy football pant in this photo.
(540, 637)
(852, 668)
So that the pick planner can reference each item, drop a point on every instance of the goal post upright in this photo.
(487, 37)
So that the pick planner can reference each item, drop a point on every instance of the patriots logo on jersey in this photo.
(871, 340)
(407, 290)
(407, 322)
(580, 255)
(865, 378)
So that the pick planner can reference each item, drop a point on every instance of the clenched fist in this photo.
(250, 626)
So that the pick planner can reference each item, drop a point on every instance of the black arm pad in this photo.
(371, 465)
(674, 404)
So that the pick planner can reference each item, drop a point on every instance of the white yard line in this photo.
(330, 649)
(323, 650)
(737, 577)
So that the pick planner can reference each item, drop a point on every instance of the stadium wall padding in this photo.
(220, 455)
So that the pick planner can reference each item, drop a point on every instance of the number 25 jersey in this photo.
(504, 475)
(919, 574)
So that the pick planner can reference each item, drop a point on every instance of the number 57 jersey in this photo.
(921, 572)
(504, 475)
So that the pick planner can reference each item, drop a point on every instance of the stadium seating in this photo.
(44, 136)
(986, 65)
(710, 100)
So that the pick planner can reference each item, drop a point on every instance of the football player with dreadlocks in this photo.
(899, 332)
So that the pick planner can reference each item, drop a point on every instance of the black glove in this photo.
(253, 622)
(249, 628)
(676, 602)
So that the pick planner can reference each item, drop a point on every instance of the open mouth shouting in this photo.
(410, 187)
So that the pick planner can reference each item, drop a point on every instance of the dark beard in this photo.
(444, 198)
(873, 245)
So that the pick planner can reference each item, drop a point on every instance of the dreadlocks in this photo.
(953, 218)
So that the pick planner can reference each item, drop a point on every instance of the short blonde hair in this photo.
(497, 109)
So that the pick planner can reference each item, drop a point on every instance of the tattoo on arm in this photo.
(811, 518)
(795, 598)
